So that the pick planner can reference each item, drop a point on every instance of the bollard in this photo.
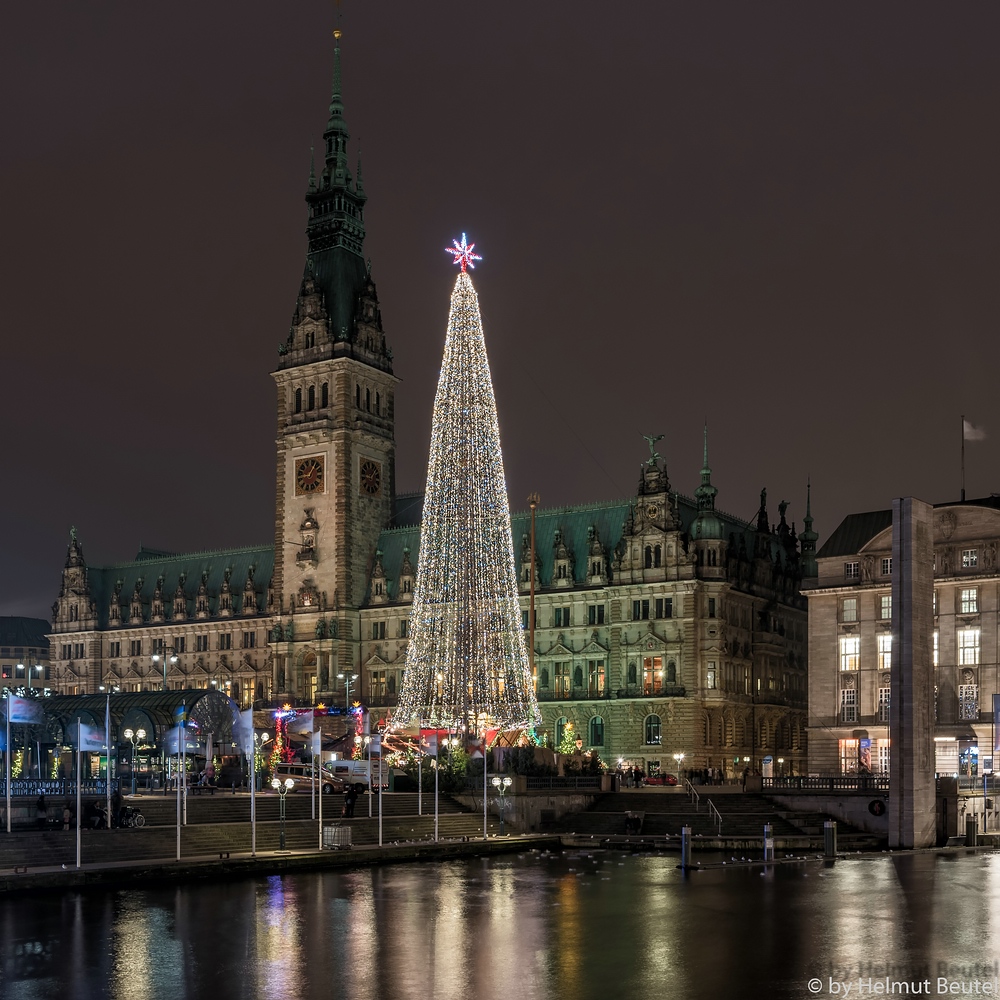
(685, 847)
(768, 843)
(830, 838)
(971, 831)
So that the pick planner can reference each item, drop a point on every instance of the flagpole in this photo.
(437, 770)
(107, 769)
(318, 744)
(177, 778)
(6, 755)
(963, 457)
(183, 776)
(79, 782)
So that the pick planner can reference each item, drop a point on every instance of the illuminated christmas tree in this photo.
(466, 661)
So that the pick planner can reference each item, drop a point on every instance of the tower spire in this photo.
(706, 492)
(808, 538)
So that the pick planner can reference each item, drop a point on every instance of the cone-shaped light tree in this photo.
(466, 661)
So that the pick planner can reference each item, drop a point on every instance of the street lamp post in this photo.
(502, 785)
(35, 666)
(678, 757)
(347, 677)
(162, 658)
(259, 739)
(135, 738)
(281, 787)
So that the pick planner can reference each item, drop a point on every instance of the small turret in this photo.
(808, 539)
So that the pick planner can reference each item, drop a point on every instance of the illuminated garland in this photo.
(466, 660)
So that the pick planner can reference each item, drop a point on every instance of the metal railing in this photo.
(55, 786)
(536, 783)
(690, 789)
(831, 783)
(715, 814)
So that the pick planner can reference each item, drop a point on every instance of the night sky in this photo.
(778, 217)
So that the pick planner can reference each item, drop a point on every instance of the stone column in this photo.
(911, 708)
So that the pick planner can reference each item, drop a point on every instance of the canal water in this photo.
(577, 925)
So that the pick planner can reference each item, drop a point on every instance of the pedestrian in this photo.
(41, 812)
(67, 816)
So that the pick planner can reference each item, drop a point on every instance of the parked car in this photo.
(661, 779)
(304, 779)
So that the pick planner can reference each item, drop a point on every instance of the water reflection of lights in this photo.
(278, 941)
(145, 946)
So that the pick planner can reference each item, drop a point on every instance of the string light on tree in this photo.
(466, 659)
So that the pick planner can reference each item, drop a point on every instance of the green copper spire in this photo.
(707, 524)
(808, 538)
(706, 492)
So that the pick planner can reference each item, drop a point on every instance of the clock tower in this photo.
(335, 441)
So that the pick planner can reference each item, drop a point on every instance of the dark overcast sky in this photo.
(781, 217)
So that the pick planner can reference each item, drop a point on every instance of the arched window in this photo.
(368, 400)
(653, 730)
(312, 398)
(596, 733)
(671, 672)
(325, 395)
(560, 729)
(357, 396)
(649, 557)
(578, 677)
(631, 672)
(543, 678)
(298, 400)
(378, 403)
(656, 555)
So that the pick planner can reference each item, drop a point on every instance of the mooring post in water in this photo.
(768, 843)
(830, 838)
(685, 847)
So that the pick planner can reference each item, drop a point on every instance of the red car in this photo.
(660, 779)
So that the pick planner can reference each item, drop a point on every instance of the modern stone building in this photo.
(664, 626)
(851, 640)
(24, 652)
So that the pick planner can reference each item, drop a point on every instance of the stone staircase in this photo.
(215, 828)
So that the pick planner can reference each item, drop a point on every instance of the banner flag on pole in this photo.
(317, 743)
(301, 724)
(429, 743)
(175, 742)
(375, 746)
(180, 715)
(25, 710)
(971, 433)
(90, 738)
(246, 732)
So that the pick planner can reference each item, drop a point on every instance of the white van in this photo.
(353, 772)
(303, 777)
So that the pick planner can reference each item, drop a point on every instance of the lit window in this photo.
(653, 730)
(885, 607)
(885, 652)
(850, 609)
(970, 558)
(652, 675)
(852, 570)
(935, 647)
(968, 701)
(848, 705)
(970, 601)
(886, 567)
(883, 704)
(968, 647)
(850, 652)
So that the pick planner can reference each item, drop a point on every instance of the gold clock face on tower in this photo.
(309, 476)
(371, 477)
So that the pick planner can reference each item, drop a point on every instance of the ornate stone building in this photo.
(663, 625)
(850, 640)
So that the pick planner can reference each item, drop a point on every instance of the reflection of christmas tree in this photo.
(280, 750)
(466, 658)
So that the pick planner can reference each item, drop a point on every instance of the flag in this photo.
(970, 433)
(429, 743)
(90, 738)
(107, 724)
(302, 723)
(245, 730)
(172, 743)
(26, 710)
(317, 743)
(375, 746)
(475, 748)
(180, 715)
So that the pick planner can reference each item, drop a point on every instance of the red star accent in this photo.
(463, 253)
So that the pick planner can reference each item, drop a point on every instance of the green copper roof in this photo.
(149, 565)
